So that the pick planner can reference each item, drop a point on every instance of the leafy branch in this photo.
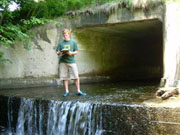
(15, 25)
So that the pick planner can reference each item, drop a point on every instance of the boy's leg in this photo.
(66, 88)
(66, 85)
(77, 82)
(74, 75)
(64, 75)
(79, 92)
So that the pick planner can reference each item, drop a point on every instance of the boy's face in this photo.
(66, 36)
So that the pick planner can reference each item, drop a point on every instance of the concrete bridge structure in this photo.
(116, 41)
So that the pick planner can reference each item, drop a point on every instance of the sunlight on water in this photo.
(157, 102)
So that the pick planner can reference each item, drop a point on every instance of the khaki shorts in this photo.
(68, 71)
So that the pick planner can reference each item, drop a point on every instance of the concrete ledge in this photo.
(24, 83)
(40, 82)
(116, 119)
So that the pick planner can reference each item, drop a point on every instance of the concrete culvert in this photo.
(122, 51)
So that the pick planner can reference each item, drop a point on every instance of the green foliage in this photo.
(171, 0)
(15, 25)
(3, 59)
(129, 4)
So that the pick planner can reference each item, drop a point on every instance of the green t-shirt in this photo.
(71, 45)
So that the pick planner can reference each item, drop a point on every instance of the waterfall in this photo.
(56, 118)
(73, 118)
(26, 123)
(10, 115)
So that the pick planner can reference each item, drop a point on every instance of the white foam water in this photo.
(57, 118)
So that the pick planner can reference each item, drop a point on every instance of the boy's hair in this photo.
(66, 31)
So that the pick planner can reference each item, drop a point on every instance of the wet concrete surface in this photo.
(126, 108)
(129, 93)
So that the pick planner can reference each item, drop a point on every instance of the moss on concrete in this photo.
(111, 7)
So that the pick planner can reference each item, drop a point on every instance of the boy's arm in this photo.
(59, 53)
(58, 50)
(72, 53)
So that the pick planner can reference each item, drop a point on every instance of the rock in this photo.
(165, 93)
(160, 92)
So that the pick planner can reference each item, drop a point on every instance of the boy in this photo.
(67, 49)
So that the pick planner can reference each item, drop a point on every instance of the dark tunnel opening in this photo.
(123, 51)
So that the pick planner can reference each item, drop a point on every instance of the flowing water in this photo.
(108, 109)
(61, 118)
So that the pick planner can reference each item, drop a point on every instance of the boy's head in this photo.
(66, 33)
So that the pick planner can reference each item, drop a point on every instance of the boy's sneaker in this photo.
(66, 94)
(81, 94)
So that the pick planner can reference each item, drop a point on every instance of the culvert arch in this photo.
(122, 51)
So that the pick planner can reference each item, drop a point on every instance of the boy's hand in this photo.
(59, 53)
(69, 53)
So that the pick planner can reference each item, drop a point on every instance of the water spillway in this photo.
(60, 118)
(136, 40)
(109, 109)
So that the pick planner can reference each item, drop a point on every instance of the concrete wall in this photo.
(42, 62)
(171, 45)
